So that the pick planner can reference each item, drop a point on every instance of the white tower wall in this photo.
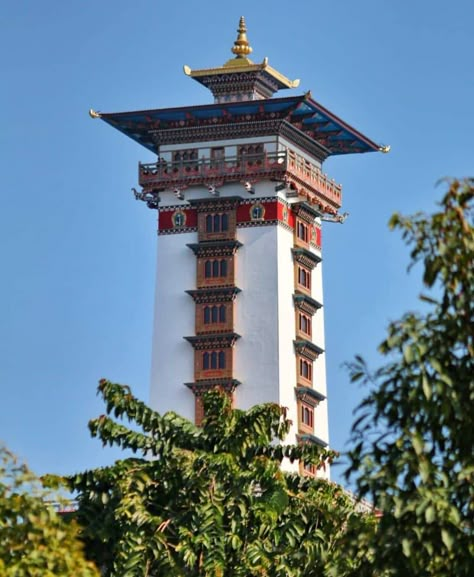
(172, 357)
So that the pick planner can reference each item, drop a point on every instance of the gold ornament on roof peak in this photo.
(241, 47)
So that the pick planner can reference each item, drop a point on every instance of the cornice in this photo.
(306, 212)
(308, 438)
(215, 248)
(213, 341)
(201, 387)
(214, 295)
(306, 257)
(306, 304)
(307, 349)
(309, 395)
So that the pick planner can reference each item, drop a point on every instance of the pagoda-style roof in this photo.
(243, 107)
(240, 78)
(333, 135)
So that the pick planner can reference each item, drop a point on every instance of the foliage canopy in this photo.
(414, 436)
(212, 500)
(34, 540)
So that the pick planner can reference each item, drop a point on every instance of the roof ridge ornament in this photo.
(241, 46)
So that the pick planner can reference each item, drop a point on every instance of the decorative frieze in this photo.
(306, 304)
(213, 341)
(309, 395)
(215, 248)
(307, 349)
(214, 295)
(305, 257)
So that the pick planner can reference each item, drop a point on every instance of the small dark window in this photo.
(225, 222)
(307, 415)
(222, 314)
(223, 268)
(214, 360)
(208, 223)
(302, 231)
(205, 361)
(208, 269)
(207, 315)
(306, 369)
(215, 268)
(222, 360)
(304, 277)
(305, 324)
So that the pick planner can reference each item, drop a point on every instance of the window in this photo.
(222, 314)
(304, 277)
(306, 369)
(302, 231)
(307, 415)
(217, 223)
(251, 153)
(213, 360)
(223, 267)
(310, 470)
(214, 314)
(208, 269)
(304, 324)
(215, 268)
(217, 156)
(185, 157)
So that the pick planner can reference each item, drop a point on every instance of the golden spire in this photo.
(241, 46)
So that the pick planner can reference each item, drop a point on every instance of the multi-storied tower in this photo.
(240, 197)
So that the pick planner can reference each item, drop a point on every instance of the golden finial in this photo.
(384, 148)
(94, 114)
(241, 46)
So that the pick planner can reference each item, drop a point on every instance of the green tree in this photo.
(413, 441)
(34, 540)
(210, 500)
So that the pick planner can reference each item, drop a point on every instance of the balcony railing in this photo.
(276, 165)
(209, 169)
(312, 175)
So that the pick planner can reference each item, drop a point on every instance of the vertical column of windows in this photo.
(305, 307)
(214, 297)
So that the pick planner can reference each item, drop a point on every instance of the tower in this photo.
(240, 195)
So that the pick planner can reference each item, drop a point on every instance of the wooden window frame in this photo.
(301, 362)
(303, 273)
(215, 271)
(302, 233)
(305, 417)
(213, 363)
(217, 225)
(301, 320)
(204, 316)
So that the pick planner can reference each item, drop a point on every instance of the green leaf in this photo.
(447, 539)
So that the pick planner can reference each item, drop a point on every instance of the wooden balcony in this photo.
(300, 175)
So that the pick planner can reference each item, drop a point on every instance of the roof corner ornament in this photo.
(94, 114)
(187, 70)
(241, 47)
(339, 218)
(384, 148)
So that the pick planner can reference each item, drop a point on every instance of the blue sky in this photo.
(77, 251)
